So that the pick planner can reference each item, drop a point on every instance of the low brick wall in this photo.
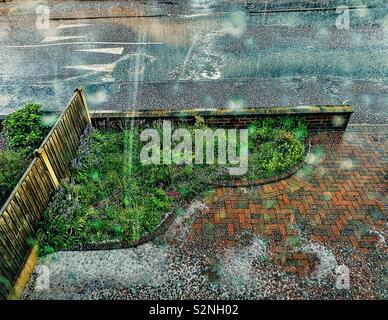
(318, 118)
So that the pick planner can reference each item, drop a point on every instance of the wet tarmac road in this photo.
(200, 53)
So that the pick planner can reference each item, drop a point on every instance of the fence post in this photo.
(80, 91)
(41, 154)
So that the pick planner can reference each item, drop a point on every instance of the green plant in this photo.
(287, 123)
(200, 122)
(275, 145)
(24, 128)
(24, 131)
(301, 131)
(64, 221)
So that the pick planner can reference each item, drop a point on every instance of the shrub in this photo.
(24, 128)
(24, 131)
(275, 145)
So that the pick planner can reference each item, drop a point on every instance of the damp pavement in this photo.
(173, 268)
(319, 234)
(196, 54)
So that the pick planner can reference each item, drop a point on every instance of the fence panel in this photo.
(22, 211)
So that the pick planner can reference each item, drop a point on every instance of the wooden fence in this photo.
(20, 214)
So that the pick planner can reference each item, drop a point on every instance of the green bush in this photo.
(24, 132)
(24, 128)
(275, 145)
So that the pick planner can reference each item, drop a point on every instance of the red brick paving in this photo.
(337, 201)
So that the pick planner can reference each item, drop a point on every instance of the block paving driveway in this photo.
(338, 198)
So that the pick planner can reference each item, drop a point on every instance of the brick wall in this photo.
(318, 118)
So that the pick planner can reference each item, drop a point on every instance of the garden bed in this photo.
(113, 200)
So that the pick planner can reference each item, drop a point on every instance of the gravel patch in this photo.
(171, 267)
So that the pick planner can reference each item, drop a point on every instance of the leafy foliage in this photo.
(275, 145)
(24, 128)
(63, 221)
(24, 132)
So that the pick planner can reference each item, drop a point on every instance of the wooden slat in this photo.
(16, 248)
(4, 289)
(56, 165)
(74, 116)
(26, 197)
(80, 118)
(70, 134)
(61, 151)
(26, 213)
(47, 184)
(5, 266)
(7, 254)
(81, 111)
(37, 188)
(30, 201)
(65, 146)
(31, 182)
(24, 229)
(72, 128)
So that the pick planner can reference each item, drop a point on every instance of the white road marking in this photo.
(67, 26)
(118, 50)
(95, 67)
(60, 38)
(85, 42)
(194, 15)
(105, 68)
